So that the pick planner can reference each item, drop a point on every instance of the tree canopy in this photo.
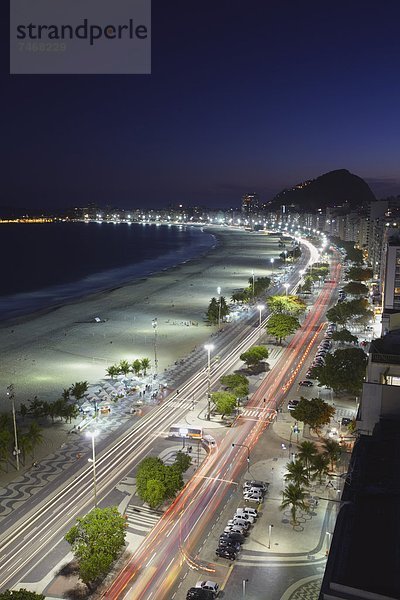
(225, 402)
(236, 383)
(344, 370)
(280, 326)
(253, 356)
(356, 288)
(359, 274)
(291, 305)
(21, 594)
(96, 540)
(157, 482)
(345, 311)
(314, 412)
(345, 336)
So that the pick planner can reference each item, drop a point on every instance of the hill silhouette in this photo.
(336, 188)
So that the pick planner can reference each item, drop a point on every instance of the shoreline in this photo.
(47, 352)
(178, 257)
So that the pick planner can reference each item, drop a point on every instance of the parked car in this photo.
(211, 586)
(199, 594)
(235, 546)
(254, 483)
(255, 490)
(306, 383)
(231, 535)
(243, 520)
(247, 510)
(226, 553)
(236, 529)
(245, 524)
(292, 404)
(256, 497)
(245, 517)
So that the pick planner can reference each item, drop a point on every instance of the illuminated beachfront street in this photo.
(178, 534)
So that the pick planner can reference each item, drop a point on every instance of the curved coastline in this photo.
(47, 352)
(20, 307)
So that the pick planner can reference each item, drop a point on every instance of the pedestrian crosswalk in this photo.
(141, 519)
(348, 413)
(256, 413)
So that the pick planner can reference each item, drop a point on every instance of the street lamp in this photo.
(16, 452)
(209, 347)
(154, 323)
(270, 526)
(92, 435)
(260, 308)
(252, 274)
(219, 306)
(286, 286)
(244, 581)
(248, 453)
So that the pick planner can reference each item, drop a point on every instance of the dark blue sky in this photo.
(244, 95)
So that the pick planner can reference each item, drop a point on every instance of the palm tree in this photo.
(293, 496)
(137, 367)
(296, 473)
(145, 362)
(332, 451)
(79, 389)
(66, 393)
(112, 371)
(124, 367)
(71, 411)
(35, 436)
(306, 453)
(320, 466)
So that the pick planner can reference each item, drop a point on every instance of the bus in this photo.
(186, 431)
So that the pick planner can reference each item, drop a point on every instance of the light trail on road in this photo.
(179, 532)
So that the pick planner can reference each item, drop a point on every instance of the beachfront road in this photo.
(174, 543)
(48, 517)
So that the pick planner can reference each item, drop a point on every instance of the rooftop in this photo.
(386, 349)
(365, 554)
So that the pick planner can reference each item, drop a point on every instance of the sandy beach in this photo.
(48, 352)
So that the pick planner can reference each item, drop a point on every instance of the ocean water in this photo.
(48, 264)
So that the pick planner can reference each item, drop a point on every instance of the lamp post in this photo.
(286, 286)
(270, 526)
(248, 453)
(219, 306)
(154, 323)
(252, 274)
(16, 452)
(260, 308)
(244, 581)
(209, 347)
(92, 435)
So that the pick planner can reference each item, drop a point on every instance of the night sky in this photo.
(245, 95)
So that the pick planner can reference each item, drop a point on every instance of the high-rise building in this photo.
(250, 204)
(391, 271)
